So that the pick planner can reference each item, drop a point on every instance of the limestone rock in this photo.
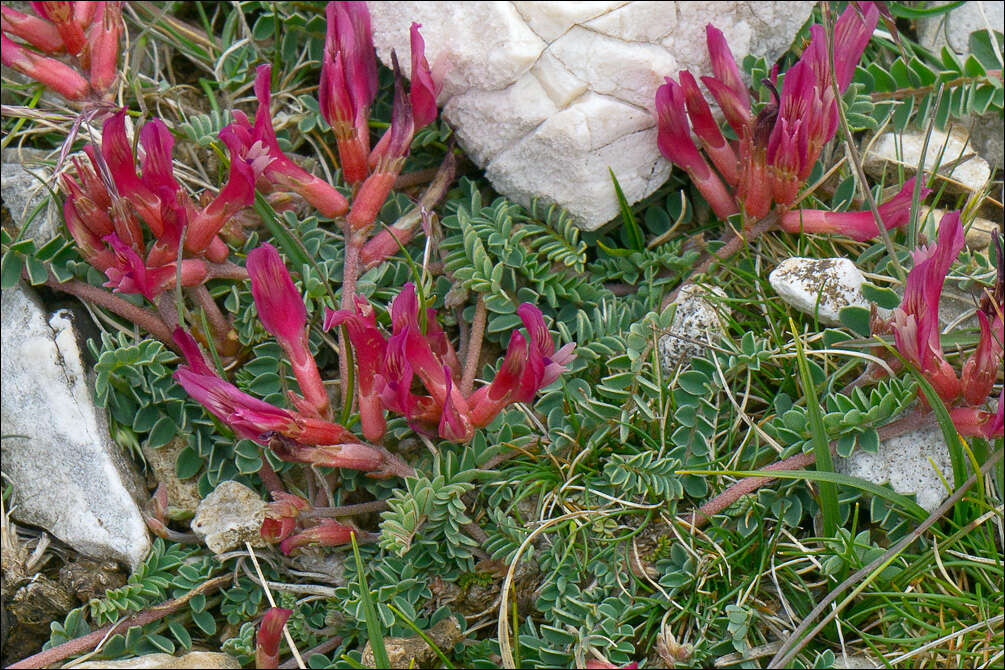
(210, 660)
(183, 494)
(695, 320)
(903, 462)
(401, 651)
(835, 282)
(23, 180)
(230, 516)
(546, 96)
(893, 151)
(68, 475)
(953, 29)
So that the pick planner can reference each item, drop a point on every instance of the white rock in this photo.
(892, 152)
(695, 320)
(905, 463)
(835, 282)
(953, 29)
(230, 516)
(546, 96)
(193, 659)
(68, 475)
(23, 188)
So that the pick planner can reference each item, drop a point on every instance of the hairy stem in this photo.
(346, 510)
(145, 319)
(87, 642)
(474, 348)
(703, 514)
(217, 321)
(733, 243)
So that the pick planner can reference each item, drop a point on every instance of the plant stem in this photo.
(734, 242)
(349, 272)
(474, 348)
(703, 514)
(217, 321)
(346, 510)
(145, 319)
(87, 642)
(323, 648)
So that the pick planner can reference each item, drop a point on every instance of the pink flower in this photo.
(370, 349)
(104, 39)
(61, 13)
(55, 74)
(674, 141)
(349, 84)
(386, 160)
(280, 170)
(282, 312)
(129, 274)
(426, 83)
(236, 194)
(118, 156)
(860, 226)
(37, 32)
(726, 86)
(916, 321)
(281, 516)
(270, 631)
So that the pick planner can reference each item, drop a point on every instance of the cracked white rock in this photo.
(696, 320)
(820, 286)
(546, 96)
(208, 660)
(893, 152)
(230, 516)
(67, 474)
(906, 463)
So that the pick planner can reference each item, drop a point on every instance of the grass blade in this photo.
(821, 444)
(373, 628)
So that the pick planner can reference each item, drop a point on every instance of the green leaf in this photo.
(373, 627)
(188, 464)
(162, 432)
(205, 621)
(983, 51)
(10, 269)
(856, 319)
(883, 297)
(902, 10)
(636, 240)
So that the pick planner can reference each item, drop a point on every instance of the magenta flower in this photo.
(282, 312)
(779, 146)
(975, 422)
(270, 631)
(259, 147)
(118, 156)
(916, 321)
(386, 161)
(370, 349)
(281, 516)
(489, 400)
(674, 140)
(236, 194)
(426, 83)
(860, 226)
(349, 84)
(129, 274)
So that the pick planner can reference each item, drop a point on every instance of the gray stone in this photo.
(546, 96)
(906, 462)
(193, 659)
(68, 475)
(230, 516)
(25, 176)
(819, 286)
(695, 320)
(894, 152)
(953, 28)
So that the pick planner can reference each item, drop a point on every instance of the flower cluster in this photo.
(107, 201)
(388, 367)
(86, 32)
(348, 87)
(386, 370)
(777, 147)
(283, 516)
(915, 327)
(270, 630)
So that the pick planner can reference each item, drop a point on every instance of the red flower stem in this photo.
(217, 321)
(417, 178)
(270, 478)
(345, 510)
(87, 642)
(703, 514)
(226, 270)
(734, 242)
(145, 319)
(350, 271)
(474, 348)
